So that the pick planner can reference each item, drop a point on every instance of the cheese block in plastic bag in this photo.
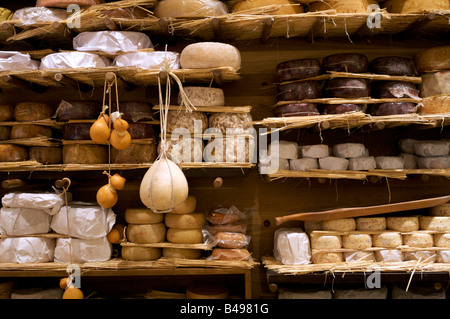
(203, 55)
(23, 221)
(73, 60)
(148, 60)
(34, 15)
(26, 249)
(291, 246)
(190, 8)
(51, 203)
(82, 250)
(16, 61)
(65, 3)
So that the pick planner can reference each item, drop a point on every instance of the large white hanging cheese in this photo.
(435, 83)
(437, 223)
(326, 258)
(164, 186)
(348, 6)
(183, 253)
(138, 253)
(319, 241)
(421, 240)
(206, 291)
(389, 255)
(184, 236)
(146, 233)
(274, 7)
(342, 224)
(433, 59)
(192, 8)
(442, 240)
(142, 216)
(415, 6)
(357, 241)
(441, 210)
(184, 221)
(315, 151)
(203, 55)
(203, 96)
(371, 223)
(387, 240)
(403, 223)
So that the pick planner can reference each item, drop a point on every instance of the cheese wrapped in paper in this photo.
(51, 203)
(148, 60)
(82, 250)
(35, 15)
(73, 60)
(291, 246)
(26, 250)
(112, 41)
(16, 61)
(23, 221)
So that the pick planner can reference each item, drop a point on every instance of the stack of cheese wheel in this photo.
(309, 156)
(407, 152)
(441, 239)
(395, 66)
(434, 66)
(143, 227)
(184, 227)
(227, 228)
(281, 151)
(191, 9)
(425, 154)
(325, 242)
(288, 74)
(9, 152)
(352, 6)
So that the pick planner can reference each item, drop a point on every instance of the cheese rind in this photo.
(403, 223)
(137, 253)
(387, 240)
(437, 223)
(184, 236)
(326, 258)
(416, 6)
(184, 221)
(32, 111)
(421, 240)
(193, 8)
(203, 55)
(441, 210)
(85, 154)
(435, 83)
(433, 59)
(371, 223)
(141, 216)
(349, 150)
(146, 233)
(12, 153)
(203, 96)
(183, 253)
(357, 241)
(325, 241)
(442, 240)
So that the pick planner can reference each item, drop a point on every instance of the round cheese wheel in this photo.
(403, 223)
(134, 111)
(45, 155)
(349, 150)
(185, 122)
(333, 163)
(134, 154)
(442, 240)
(137, 253)
(187, 207)
(387, 240)
(343, 224)
(5, 133)
(76, 110)
(32, 111)
(231, 240)
(297, 69)
(303, 164)
(184, 221)
(141, 131)
(420, 240)
(393, 108)
(13, 153)
(436, 162)
(343, 108)
(346, 62)
(394, 89)
(238, 254)
(319, 241)
(437, 223)
(146, 233)
(299, 91)
(204, 55)
(203, 96)
(230, 122)
(287, 7)
(184, 236)
(348, 6)
(189, 9)
(181, 253)
(357, 241)
(77, 131)
(435, 83)
(20, 131)
(326, 258)
(371, 223)
(85, 154)
(431, 148)
(296, 109)
(206, 291)
(421, 255)
(141, 216)
(433, 59)
(393, 65)
(6, 112)
(415, 6)
(441, 210)
(347, 88)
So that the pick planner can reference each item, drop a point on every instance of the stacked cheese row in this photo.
(425, 154)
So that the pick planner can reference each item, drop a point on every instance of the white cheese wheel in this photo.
(326, 258)
(189, 9)
(442, 240)
(421, 255)
(203, 96)
(342, 224)
(389, 255)
(433, 59)
(415, 6)
(141, 216)
(409, 160)
(352, 256)
(319, 241)
(407, 145)
(184, 221)
(206, 291)
(371, 223)
(184, 122)
(348, 6)
(137, 253)
(389, 162)
(437, 223)
(269, 166)
(436, 104)
(333, 163)
(435, 83)
(183, 253)
(85, 154)
(349, 150)
(231, 123)
(315, 151)
(403, 223)
(431, 148)
(387, 239)
(146, 233)
(357, 241)
(184, 236)
(434, 162)
(282, 7)
(363, 163)
(303, 164)
(187, 207)
(441, 210)
(421, 240)
(204, 55)
(73, 60)
(286, 149)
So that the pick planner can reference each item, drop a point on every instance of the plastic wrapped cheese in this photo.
(333, 163)
(363, 163)
(418, 239)
(82, 250)
(26, 249)
(189, 9)
(389, 162)
(180, 122)
(428, 148)
(435, 162)
(402, 223)
(389, 255)
(433, 59)
(16, 61)
(435, 83)
(416, 6)
(352, 256)
(283, 149)
(73, 60)
(148, 60)
(303, 164)
(342, 224)
(35, 15)
(203, 96)
(111, 41)
(349, 150)
(320, 241)
(291, 246)
(23, 221)
(281, 7)
(371, 223)
(437, 223)
(357, 241)
(406, 145)
(423, 256)
(203, 55)
(441, 210)
(231, 149)
(49, 202)
(86, 221)
(231, 123)
(409, 160)
(184, 150)
(387, 239)
(315, 151)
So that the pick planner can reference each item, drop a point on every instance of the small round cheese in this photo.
(420, 240)
(206, 291)
(389, 255)
(442, 240)
(203, 96)
(137, 253)
(146, 233)
(141, 216)
(421, 255)
(357, 241)
(185, 221)
(437, 223)
(359, 256)
(181, 253)
(325, 258)
(343, 224)
(387, 240)
(184, 236)
(371, 223)
(403, 223)
(441, 210)
(325, 241)
(204, 55)
(187, 207)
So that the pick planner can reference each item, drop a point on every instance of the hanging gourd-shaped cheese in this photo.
(100, 131)
(117, 181)
(164, 186)
(120, 138)
(107, 196)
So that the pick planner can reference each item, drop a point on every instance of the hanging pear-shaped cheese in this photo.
(120, 138)
(100, 131)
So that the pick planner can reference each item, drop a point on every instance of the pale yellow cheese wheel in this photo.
(142, 216)
(181, 253)
(184, 236)
(288, 6)
(206, 291)
(415, 6)
(344, 224)
(442, 240)
(187, 207)
(441, 210)
(437, 223)
(201, 55)
(185, 221)
(420, 240)
(137, 253)
(371, 223)
(403, 223)
(146, 233)
(387, 239)
(357, 241)
(319, 241)
(325, 258)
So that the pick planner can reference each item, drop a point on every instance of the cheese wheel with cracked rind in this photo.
(403, 223)
(138, 253)
(184, 221)
(204, 55)
(141, 216)
(343, 224)
(203, 96)
(184, 236)
(146, 233)
(183, 253)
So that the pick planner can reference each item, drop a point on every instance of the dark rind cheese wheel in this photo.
(77, 110)
(343, 108)
(29, 130)
(134, 154)
(77, 131)
(393, 108)
(134, 111)
(5, 132)
(346, 62)
(32, 111)
(13, 153)
(141, 131)
(85, 154)
(299, 91)
(393, 65)
(46, 155)
(298, 69)
(394, 89)
(6, 112)
(347, 88)
(296, 109)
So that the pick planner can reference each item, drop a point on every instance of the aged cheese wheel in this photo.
(393, 65)
(343, 108)
(415, 6)
(134, 111)
(393, 108)
(299, 91)
(85, 154)
(347, 88)
(441, 210)
(428, 148)
(146, 233)
(183, 253)
(402, 223)
(435, 83)
(346, 62)
(141, 131)
(436, 162)
(357, 241)
(139, 253)
(238, 254)
(203, 96)
(6, 112)
(371, 223)
(420, 240)
(423, 256)
(141, 216)
(184, 221)
(433, 59)
(296, 109)
(286, 149)
(134, 12)
(389, 255)
(5, 133)
(319, 241)
(206, 291)
(441, 240)
(134, 154)
(45, 154)
(184, 236)
(230, 149)
(77, 131)
(65, 3)
(203, 55)
(32, 111)
(187, 207)
(182, 150)
(394, 89)
(287, 7)
(303, 164)
(333, 163)
(343, 224)
(363, 163)
(189, 9)
(298, 69)
(352, 6)
(181, 121)
(29, 130)
(389, 162)
(231, 122)
(359, 256)
(326, 258)
(437, 104)
(231, 240)
(13, 153)
(387, 239)
(349, 150)
(437, 223)
(77, 110)
(315, 150)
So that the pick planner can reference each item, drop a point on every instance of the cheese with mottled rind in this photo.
(203, 55)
